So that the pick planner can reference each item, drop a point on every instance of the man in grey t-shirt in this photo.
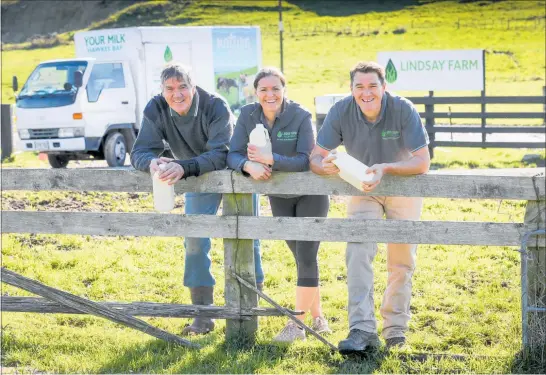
(383, 131)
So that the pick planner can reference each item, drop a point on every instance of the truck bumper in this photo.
(52, 145)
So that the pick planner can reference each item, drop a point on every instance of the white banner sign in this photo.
(433, 70)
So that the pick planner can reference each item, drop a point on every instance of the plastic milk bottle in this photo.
(259, 137)
(350, 169)
(163, 192)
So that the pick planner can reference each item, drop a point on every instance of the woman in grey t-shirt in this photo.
(292, 139)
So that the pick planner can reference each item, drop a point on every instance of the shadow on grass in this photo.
(332, 8)
(526, 362)
(233, 356)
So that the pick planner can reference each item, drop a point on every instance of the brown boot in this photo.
(201, 295)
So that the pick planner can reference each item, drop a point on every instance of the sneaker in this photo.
(358, 341)
(290, 333)
(395, 342)
(320, 325)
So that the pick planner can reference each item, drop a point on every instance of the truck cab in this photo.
(73, 109)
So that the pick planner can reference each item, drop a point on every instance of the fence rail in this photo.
(430, 115)
(238, 227)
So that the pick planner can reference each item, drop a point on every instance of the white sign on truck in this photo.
(434, 70)
(91, 106)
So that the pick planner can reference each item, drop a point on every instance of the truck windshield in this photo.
(50, 85)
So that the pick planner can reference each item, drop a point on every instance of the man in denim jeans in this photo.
(197, 126)
(383, 131)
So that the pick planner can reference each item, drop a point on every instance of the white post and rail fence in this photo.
(238, 227)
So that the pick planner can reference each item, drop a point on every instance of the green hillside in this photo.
(322, 41)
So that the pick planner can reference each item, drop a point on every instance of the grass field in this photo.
(466, 299)
(466, 305)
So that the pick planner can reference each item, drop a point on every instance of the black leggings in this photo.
(305, 252)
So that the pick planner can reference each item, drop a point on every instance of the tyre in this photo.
(115, 149)
(58, 161)
(130, 138)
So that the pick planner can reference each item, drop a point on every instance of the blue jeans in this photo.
(197, 264)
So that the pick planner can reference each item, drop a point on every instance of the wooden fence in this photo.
(430, 116)
(237, 227)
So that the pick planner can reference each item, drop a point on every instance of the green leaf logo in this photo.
(390, 72)
(168, 55)
(279, 134)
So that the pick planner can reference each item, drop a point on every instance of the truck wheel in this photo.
(130, 138)
(57, 161)
(115, 149)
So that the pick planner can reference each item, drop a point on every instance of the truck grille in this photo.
(43, 133)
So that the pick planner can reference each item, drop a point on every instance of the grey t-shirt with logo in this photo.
(393, 137)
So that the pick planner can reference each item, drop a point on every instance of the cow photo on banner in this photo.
(236, 64)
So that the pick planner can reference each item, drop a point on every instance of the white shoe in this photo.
(290, 333)
(320, 325)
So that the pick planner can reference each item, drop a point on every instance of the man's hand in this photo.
(257, 154)
(378, 170)
(257, 170)
(154, 166)
(169, 171)
(328, 166)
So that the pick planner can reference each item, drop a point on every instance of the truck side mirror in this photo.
(78, 78)
(14, 83)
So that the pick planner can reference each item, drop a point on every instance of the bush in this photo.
(43, 41)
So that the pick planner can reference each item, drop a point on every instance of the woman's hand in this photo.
(257, 170)
(259, 155)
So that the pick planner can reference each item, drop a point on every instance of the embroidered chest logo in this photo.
(287, 136)
(390, 134)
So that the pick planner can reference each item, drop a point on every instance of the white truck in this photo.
(323, 104)
(90, 107)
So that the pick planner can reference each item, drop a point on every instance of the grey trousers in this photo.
(395, 308)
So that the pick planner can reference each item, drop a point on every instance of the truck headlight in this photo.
(23, 134)
(71, 132)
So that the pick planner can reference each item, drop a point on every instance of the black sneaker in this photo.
(358, 342)
(395, 342)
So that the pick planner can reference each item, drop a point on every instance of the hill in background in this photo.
(323, 39)
(24, 19)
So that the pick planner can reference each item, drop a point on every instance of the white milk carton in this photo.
(351, 170)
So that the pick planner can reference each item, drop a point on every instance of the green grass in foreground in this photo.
(466, 305)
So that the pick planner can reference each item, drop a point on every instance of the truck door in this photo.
(111, 98)
(159, 54)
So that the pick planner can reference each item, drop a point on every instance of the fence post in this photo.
(533, 275)
(6, 131)
(484, 135)
(544, 97)
(239, 258)
(429, 123)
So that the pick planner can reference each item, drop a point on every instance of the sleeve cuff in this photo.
(276, 159)
(240, 168)
(191, 167)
